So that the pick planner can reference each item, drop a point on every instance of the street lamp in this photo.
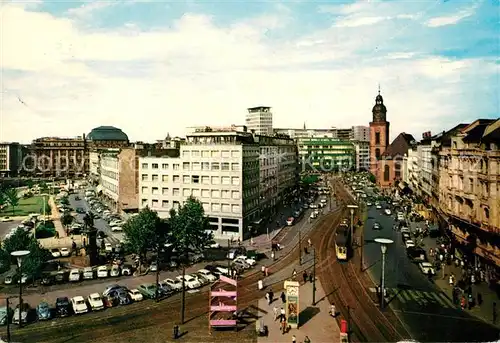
(384, 242)
(20, 255)
(352, 208)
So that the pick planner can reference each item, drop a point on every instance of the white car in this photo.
(388, 211)
(5, 219)
(214, 245)
(222, 270)
(116, 228)
(74, 275)
(290, 221)
(323, 201)
(135, 295)
(379, 207)
(313, 215)
(56, 253)
(65, 252)
(115, 271)
(108, 247)
(425, 267)
(405, 230)
(189, 281)
(175, 284)
(200, 278)
(207, 275)
(401, 216)
(116, 223)
(88, 273)
(250, 261)
(79, 305)
(102, 271)
(95, 302)
(409, 244)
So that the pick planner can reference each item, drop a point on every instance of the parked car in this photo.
(24, 279)
(111, 288)
(388, 211)
(290, 220)
(108, 247)
(102, 271)
(79, 305)
(95, 302)
(43, 311)
(136, 295)
(207, 275)
(5, 316)
(55, 253)
(110, 300)
(427, 267)
(116, 229)
(165, 288)
(416, 254)
(175, 284)
(74, 275)
(60, 276)
(25, 310)
(200, 278)
(248, 260)
(148, 290)
(115, 271)
(405, 230)
(88, 273)
(376, 226)
(9, 280)
(239, 263)
(123, 297)
(65, 252)
(409, 244)
(153, 266)
(189, 281)
(127, 270)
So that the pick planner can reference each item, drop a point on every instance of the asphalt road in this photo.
(100, 224)
(6, 226)
(425, 310)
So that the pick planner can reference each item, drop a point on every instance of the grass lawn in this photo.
(27, 206)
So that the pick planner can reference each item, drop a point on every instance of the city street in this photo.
(426, 311)
(6, 226)
(100, 224)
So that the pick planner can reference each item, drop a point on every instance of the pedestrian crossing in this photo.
(416, 297)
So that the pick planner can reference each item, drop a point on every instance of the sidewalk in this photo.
(62, 242)
(314, 320)
(55, 216)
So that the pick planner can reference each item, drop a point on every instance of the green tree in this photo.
(12, 198)
(143, 232)
(21, 240)
(372, 178)
(3, 199)
(190, 233)
(44, 189)
(29, 183)
(67, 219)
(64, 201)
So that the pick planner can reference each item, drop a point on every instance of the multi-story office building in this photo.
(326, 154)
(360, 134)
(362, 149)
(259, 120)
(425, 168)
(305, 133)
(11, 159)
(469, 190)
(55, 156)
(234, 173)
(343, 134)
(411, 170)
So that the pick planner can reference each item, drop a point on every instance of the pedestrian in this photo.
(450, 280)
(84, 242)
(263, 270)
(283, 326)
(267, 298)
(272, 255)
(266, 272)
(294, 339)
(283, 297)
(333, 310)
(309, 242)
(282, 314)
(311, 277)
(304, 276)
(307, 340)
(294, 274)
(479, 299)
(494, 314)
(275, 311)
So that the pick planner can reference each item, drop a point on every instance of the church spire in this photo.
(379, 88)
(304, 125)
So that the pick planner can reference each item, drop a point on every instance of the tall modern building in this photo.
(324, 154)
(10, 159)
(259, 120)
(360, 133)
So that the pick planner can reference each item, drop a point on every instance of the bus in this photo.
(342, 242)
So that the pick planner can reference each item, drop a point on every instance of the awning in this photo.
(98, 189)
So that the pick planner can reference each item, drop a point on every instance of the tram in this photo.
(343, 242)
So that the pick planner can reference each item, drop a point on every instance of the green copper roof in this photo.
(107, 133)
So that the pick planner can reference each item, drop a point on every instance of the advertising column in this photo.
(292, 303)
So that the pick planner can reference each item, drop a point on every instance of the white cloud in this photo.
(453, 18)
(89, 8)
(356, 22)
(151, 83)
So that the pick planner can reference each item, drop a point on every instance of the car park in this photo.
(43, 311)
(135, 295)
(426, 268)
(95, 302)
(102, 271)
(79, 305)
(88, 273)
(189, 281)
(74, 275)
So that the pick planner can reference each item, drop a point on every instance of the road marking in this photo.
(400, 297)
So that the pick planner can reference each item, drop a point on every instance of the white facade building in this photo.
(362, 155)
(109, 174)
(360, 133)
(411, 176)
(259, 120)
(424, 151)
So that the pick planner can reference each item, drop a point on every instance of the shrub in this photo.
(45, 232)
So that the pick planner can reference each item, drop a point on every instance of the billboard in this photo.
(292, 303)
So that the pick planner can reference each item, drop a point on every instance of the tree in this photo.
(372, 178)
(44, 189)
(12, 198)
(190, 233)
(66, 219)
(142, 232)
(29, 183)
(3, 199)
(22, 240)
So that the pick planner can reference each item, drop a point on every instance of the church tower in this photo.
(379, 134)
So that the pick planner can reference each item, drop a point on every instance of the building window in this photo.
(154, 178)
(144, 166)
(377, 154)
(205, 153)
(195, 193)
(196, 165)
(176, 192)
(215, 180)
(215, 193)
(195, 179)
(154, 166)
(186, 192)
(176, 205)
(164, 191)
(155, 203)
(235, 153)
(226, 208)
(235, 181)
(164, 166)
(186, 179)
(235, 166)
(205, 180)
(226, 180)
(176, 166)
(195, 153)
(144, 190)
(235, 208)
(144, 202)
(225, 194)
(144, 177)
(164, 203)
(235, 195)
(386, 173)
(205, 193)
(214, 153)
(215, 166)
(215, 207)
(205, 166)
(176, 179)
(185, 165)
(185, 153)
(225, 153)
(155, 191)
(164, 178)
(377, 138)
(225, 166)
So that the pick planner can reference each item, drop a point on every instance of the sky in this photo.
(157, 67)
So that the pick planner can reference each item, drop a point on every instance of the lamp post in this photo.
(20, 255)
(384, 242)
(300, 247)
(352, 208)
(314, 277)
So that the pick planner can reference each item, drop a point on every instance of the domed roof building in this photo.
(107, 133)
(379, 110)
